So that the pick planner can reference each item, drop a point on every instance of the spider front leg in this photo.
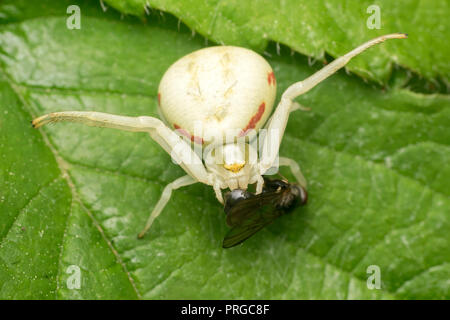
(180, 151)
(277, 123)
(165, 196)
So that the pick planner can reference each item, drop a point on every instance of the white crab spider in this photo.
(223, 88)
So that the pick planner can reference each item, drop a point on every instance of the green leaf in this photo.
(315, 27)
(376, 162)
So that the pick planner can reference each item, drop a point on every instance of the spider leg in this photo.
(165, 196)
(295, 169)
(277, 123)
(180, 150)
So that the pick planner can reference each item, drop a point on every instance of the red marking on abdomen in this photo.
(159, 98)
(271, 78)
(254, 120)
(184, 132)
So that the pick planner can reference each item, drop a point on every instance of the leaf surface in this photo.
(314, 28)
(376, 162)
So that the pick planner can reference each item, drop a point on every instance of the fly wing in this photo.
(249, 216)
(248, 209)
(241, 233)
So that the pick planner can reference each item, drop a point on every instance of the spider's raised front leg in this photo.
(277, 123)
(180, 151)
(172, 143)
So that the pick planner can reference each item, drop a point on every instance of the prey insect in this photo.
(248, 213)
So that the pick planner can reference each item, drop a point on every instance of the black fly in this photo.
(248, 213)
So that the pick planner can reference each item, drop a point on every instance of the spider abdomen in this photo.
(214, 91)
